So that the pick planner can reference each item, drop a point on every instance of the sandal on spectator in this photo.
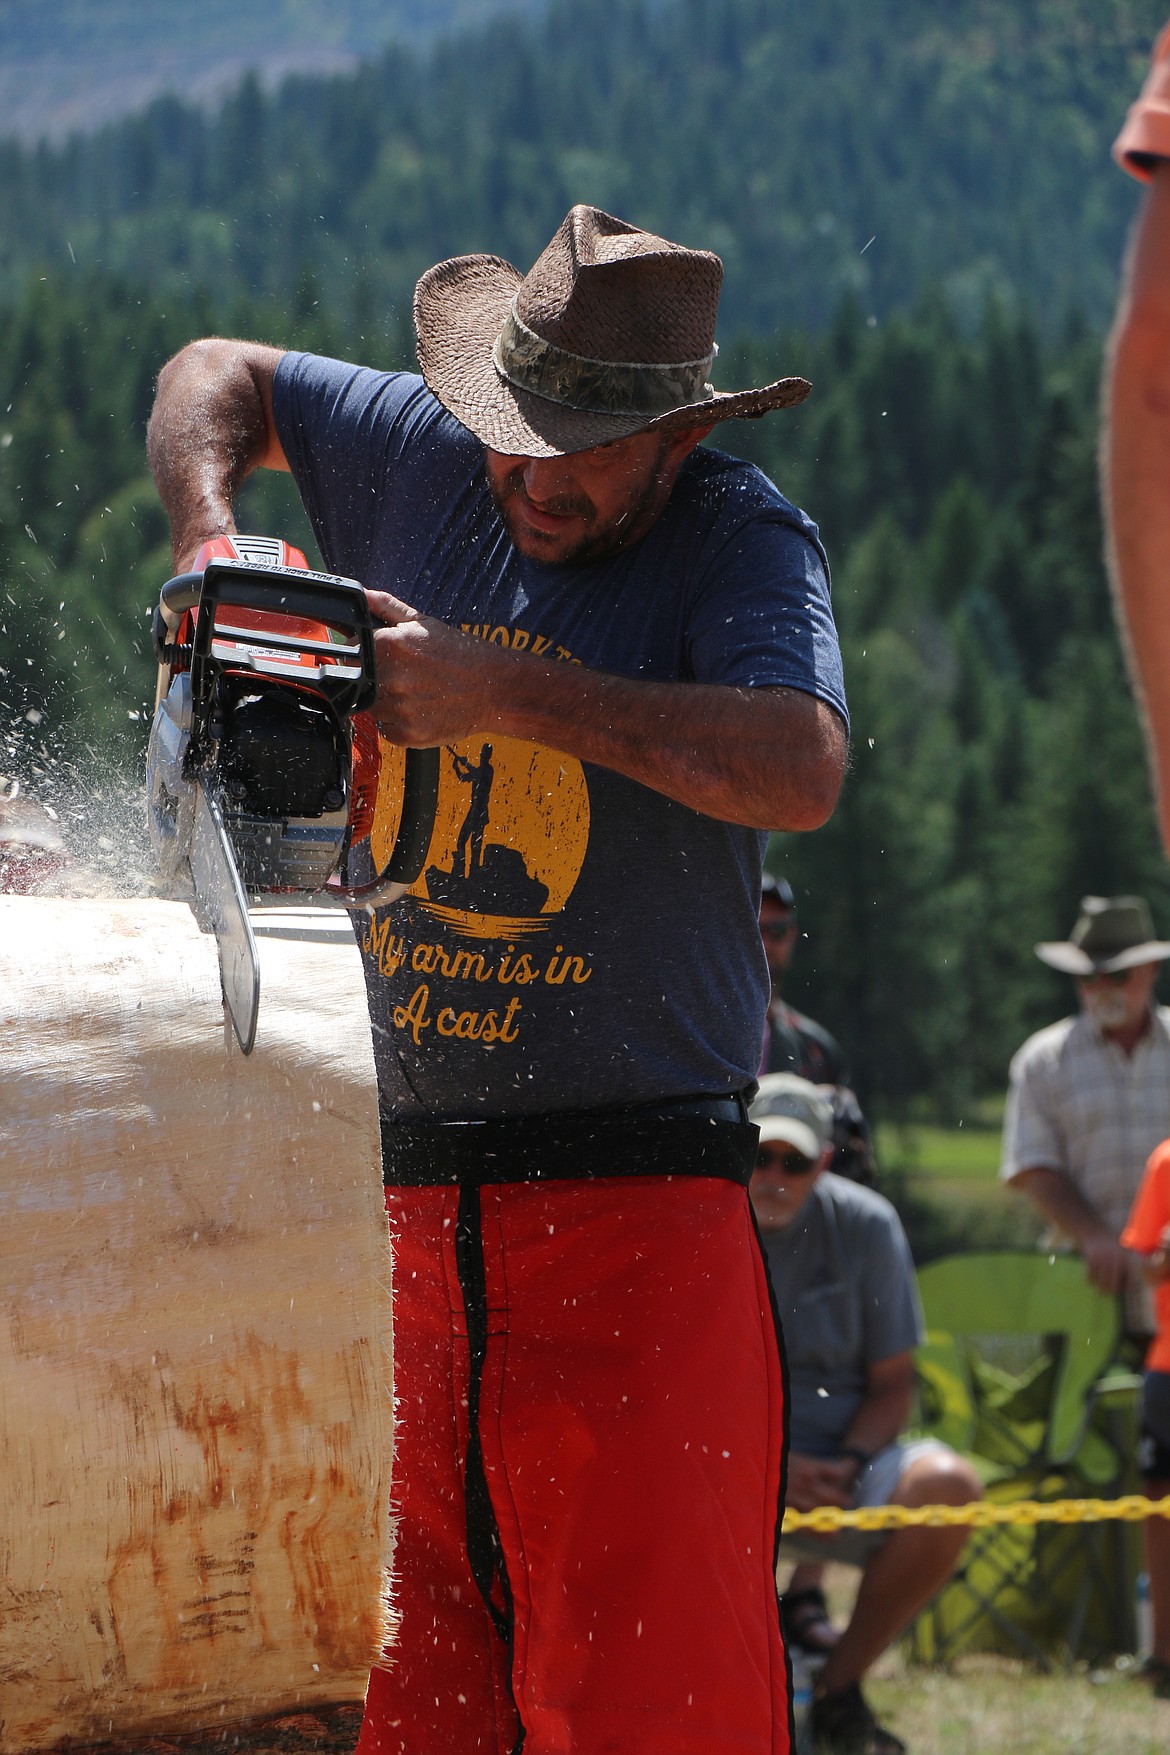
(843, 1724)
(804, 1616)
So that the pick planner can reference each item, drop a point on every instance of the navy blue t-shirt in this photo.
(575, 939)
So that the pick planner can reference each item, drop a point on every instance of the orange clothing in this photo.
(1146, 134)
(1148, 1219)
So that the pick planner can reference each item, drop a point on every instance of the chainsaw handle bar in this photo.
(286, 591)
(341, 603)
(420, 796)
(179, 594)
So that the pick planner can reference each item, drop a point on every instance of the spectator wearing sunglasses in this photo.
(1089, 1097)
(848, 1303)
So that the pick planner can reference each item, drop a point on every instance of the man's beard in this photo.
(597, 540)
(1108, 1008)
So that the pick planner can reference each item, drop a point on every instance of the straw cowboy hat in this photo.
(1111, 933)
(611, 332)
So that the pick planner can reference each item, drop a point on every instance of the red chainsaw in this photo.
(263, 763)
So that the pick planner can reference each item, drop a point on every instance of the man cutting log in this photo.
(623, 647)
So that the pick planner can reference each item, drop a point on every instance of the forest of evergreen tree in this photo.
(948, 454)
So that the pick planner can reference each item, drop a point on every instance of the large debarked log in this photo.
(195, 1412)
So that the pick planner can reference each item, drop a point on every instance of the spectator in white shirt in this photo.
(1090, 1096)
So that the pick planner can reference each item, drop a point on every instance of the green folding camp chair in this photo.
(1017, 1350)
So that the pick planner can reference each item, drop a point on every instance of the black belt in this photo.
(683, 1136)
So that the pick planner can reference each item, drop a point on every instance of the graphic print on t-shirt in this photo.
(511, 829)
(612, 994)
(510, 837)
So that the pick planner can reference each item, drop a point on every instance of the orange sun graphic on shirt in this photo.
(510, 836)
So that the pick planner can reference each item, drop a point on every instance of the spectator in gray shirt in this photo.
(845, 1289)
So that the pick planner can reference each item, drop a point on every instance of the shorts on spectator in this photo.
(1154, 1442)
(874, 1486)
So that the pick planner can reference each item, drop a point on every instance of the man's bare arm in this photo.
(768, 758)
(885, 1407)
(210, 427)
(1156, 1265)
(1060, 1200)
(1135, 467)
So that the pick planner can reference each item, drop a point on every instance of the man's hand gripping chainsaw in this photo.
(263, 764)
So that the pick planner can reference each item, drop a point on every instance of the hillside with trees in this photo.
(824, 150)
(70, 66)
(948, 450)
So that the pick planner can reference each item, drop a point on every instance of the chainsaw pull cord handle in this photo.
(179, 594)
(176, 598)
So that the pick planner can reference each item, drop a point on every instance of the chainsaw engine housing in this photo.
(264, 762)
(283, 779)
(265, 665)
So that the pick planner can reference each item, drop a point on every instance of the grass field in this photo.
(989, 1705)
(952, 1154)
(983, 1705)
(945, 1183)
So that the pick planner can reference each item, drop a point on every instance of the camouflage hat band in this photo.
(530, 363)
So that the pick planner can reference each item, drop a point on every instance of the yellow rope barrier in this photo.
(1131, 1508)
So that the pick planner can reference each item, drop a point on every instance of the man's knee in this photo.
(941, 1477)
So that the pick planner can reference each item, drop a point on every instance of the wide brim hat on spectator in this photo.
(611, 332)
(794, 1110)
(1111, 933)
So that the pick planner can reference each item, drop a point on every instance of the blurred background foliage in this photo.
(916, 209)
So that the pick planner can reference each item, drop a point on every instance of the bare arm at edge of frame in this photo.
(1135, 473)
(768, 758)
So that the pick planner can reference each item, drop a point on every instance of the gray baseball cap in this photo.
(792, 1109)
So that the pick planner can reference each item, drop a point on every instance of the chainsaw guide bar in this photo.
(221, 907)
